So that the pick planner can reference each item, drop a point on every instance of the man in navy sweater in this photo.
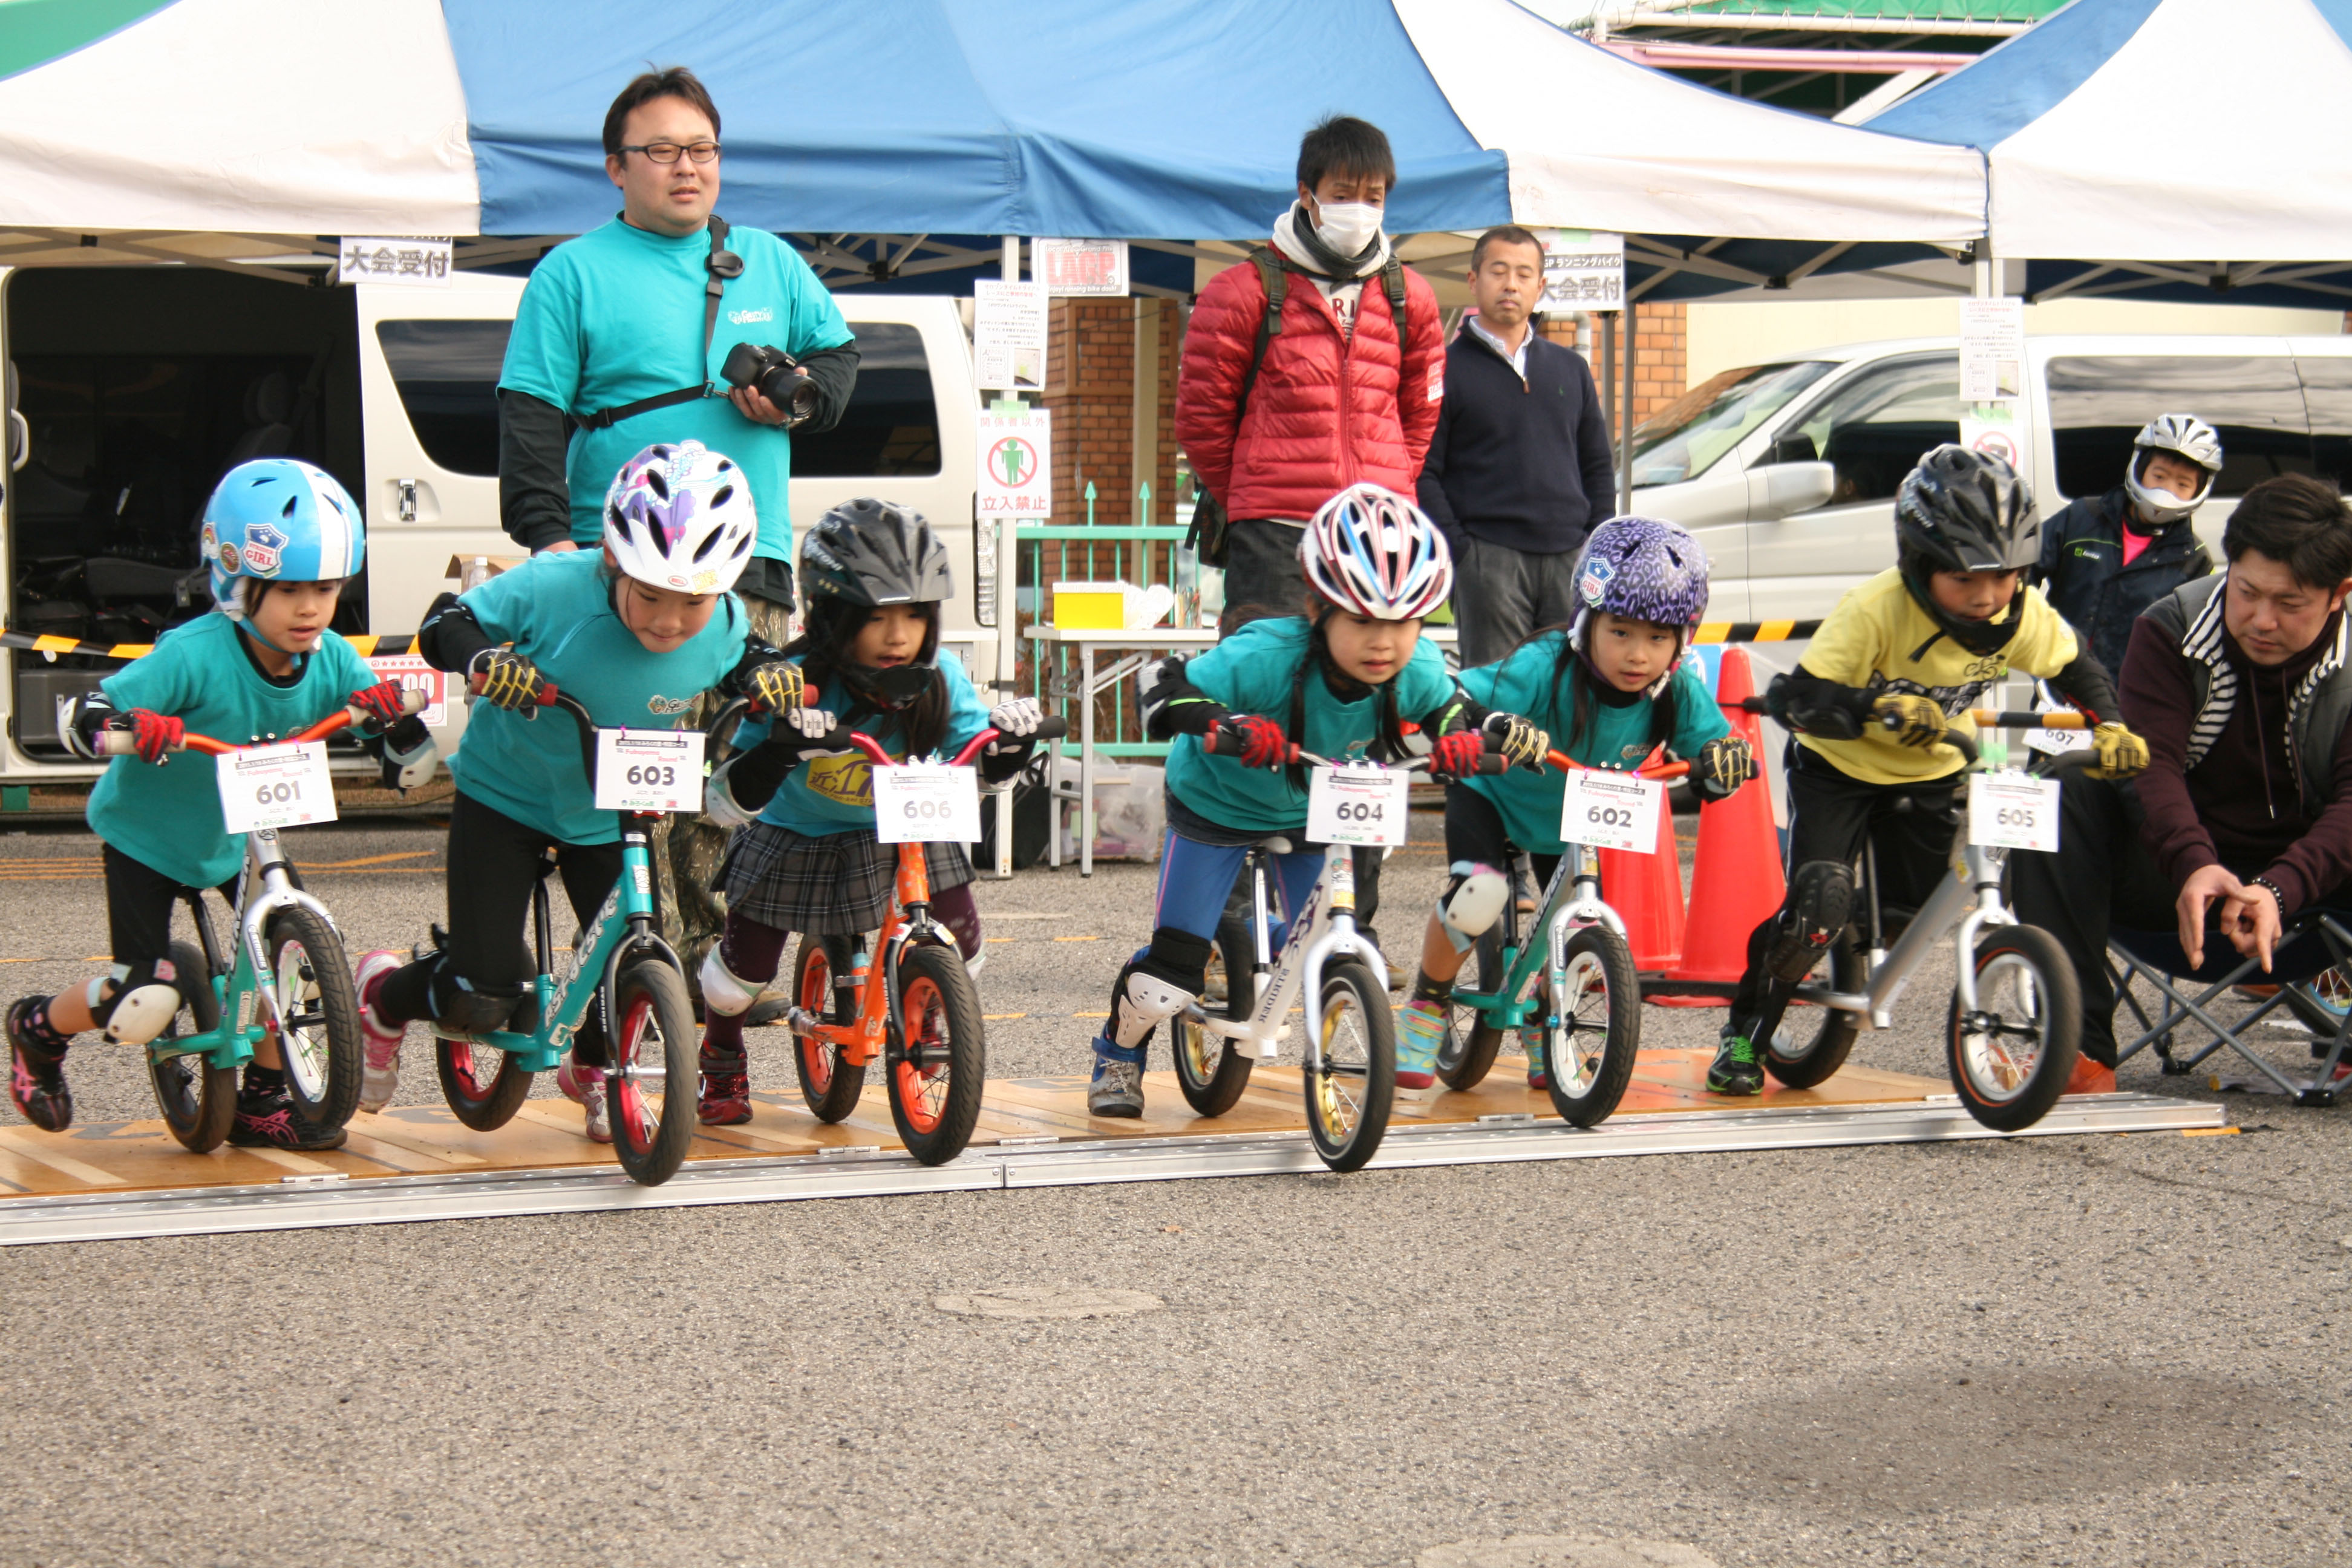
(1520, 468)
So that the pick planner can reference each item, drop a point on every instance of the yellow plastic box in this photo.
(1090, 606)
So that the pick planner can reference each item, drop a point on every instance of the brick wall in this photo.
(1090, 388)
(1661, 355)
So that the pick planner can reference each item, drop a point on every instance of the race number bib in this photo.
(925, 803)
(649, 770)
(1356, 805)
(2012, 810)
(275, 786)
(1612, 811)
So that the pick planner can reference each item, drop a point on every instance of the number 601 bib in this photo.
(275, 786)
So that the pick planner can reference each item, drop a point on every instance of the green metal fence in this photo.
(1145, 555)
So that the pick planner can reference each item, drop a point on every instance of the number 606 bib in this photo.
(275, 786)
(925, 803)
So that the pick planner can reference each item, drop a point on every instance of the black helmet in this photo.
(869, 551)
(1965, 512)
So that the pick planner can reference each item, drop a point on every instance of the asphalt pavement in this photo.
(2117, 1350)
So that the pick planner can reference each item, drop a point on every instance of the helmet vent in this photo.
(288, 508)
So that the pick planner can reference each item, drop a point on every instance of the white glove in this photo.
(808, 723)
(1016, 719)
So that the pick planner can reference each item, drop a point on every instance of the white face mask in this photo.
(1349, 226)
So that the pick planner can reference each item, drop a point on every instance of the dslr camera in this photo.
(775, 375)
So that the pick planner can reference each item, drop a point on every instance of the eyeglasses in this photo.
(667, 152)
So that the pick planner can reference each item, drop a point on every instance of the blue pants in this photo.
(1194, 879)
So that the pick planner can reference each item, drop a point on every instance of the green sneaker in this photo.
(1738, 1068)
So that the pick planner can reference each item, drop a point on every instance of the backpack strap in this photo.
(1275, 280)
(721, 264)
(1392, 284)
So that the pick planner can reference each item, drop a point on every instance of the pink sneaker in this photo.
(381, 1077)
(586, 1086)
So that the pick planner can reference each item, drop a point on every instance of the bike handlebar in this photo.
(1048, 729)
(1565, 762)
(125, 743)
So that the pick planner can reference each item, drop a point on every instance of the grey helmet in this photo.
(1961, 510)
(871, 552)
(2184, 436)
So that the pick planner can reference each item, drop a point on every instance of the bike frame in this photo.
(244, 991)
(1572, 900)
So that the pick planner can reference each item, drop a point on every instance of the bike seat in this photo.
(1278, 845)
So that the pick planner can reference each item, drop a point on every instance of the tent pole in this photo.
(1608, 320)
(1011, 273)
(1625, 417)
(1985, 280)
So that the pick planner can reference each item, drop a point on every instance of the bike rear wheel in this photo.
(482, 1085)
(830, 1081)
(1831, 1040)
(1590, 1059)
(937, 1071)
(319, 1029)
(652, 1049)
(2011, 1058)
(1211, 1073)
(1349, 1094)
(197, 1100)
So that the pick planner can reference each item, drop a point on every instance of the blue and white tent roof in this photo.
(2161, 131)
(1146, 120)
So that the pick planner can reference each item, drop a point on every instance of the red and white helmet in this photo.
(1371, 551)
(680, 516)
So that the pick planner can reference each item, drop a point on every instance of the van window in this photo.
(1683, 440)
(2098, 403)
(2327, 398)
(891, 428)
(1874, 427)
(448, 373)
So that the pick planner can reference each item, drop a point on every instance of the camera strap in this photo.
(720, 265)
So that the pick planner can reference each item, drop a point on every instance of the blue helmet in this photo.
(280, 520)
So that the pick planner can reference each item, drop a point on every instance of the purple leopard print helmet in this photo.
(1644, 568)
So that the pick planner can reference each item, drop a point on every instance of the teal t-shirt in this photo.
(1251, 672)
(827, 795)
(616, 315)
(1522, 683)
(557, 610)
(169, 817)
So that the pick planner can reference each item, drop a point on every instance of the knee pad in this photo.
(722, 992)
(134, 1002)
(1821, 902)
(1471, 902)
(461, 1008)
(1158, 983)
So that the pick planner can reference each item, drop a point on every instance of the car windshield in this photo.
(1683, 440)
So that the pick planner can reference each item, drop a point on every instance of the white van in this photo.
(130, 389)
(1786, 471)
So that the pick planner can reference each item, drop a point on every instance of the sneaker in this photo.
(36, 1078)
(2091, 1077)
(1420, 1029)
(1117, 1086)
(266, 1119)
(1738, 1068)
(726, 1097)
(584, 1086)
(381, 1075)
(1531, 1041)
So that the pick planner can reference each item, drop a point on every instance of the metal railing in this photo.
(1145, 555)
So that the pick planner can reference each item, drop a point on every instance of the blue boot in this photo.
(1117, 1086)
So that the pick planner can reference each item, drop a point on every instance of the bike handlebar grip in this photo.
(548, 694)
(1491, 763)
(414, 700)
(1962, 744)
(1050, 730)
(117, 744)
(2003, 719)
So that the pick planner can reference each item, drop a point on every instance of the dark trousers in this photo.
(1502, 597)
(1909, 828)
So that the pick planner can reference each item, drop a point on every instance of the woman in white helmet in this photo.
(2107, 558)
(635, 632)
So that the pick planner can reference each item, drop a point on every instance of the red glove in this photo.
(1457, 756)
(1252, 740)
(155, 734)
(382, 702)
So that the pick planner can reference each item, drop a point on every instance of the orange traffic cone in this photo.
(1737, 882)
(1647, 891)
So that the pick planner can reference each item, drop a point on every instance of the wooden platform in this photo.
(126, 1157)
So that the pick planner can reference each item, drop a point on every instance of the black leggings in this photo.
(494, 863)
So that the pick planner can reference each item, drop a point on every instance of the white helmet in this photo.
(2183, 436)
(680, 516)
(1371, 550)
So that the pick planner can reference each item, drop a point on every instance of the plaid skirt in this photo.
(836, 885)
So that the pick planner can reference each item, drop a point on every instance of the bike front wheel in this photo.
(197, 1099)
(1349, 1092)
(2011, 1058)
(653, 1054)
(937, 1069)
(1211, 1073)
(319, 1015)
(830, 1081)
(1589, 1059)
(482, 1085)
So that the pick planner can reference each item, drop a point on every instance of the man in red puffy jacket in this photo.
(1342, 394)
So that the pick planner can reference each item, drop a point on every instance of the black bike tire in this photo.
(1833, 1037)
(1471, 1045)
(670, 1010)
(487, 1112)
(339, 1009)
(2062, 999)
(941, 969)
(837, 1096)
(1351, 982)
(1222, 1089)
(1624, 1027)
(199, 1109)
